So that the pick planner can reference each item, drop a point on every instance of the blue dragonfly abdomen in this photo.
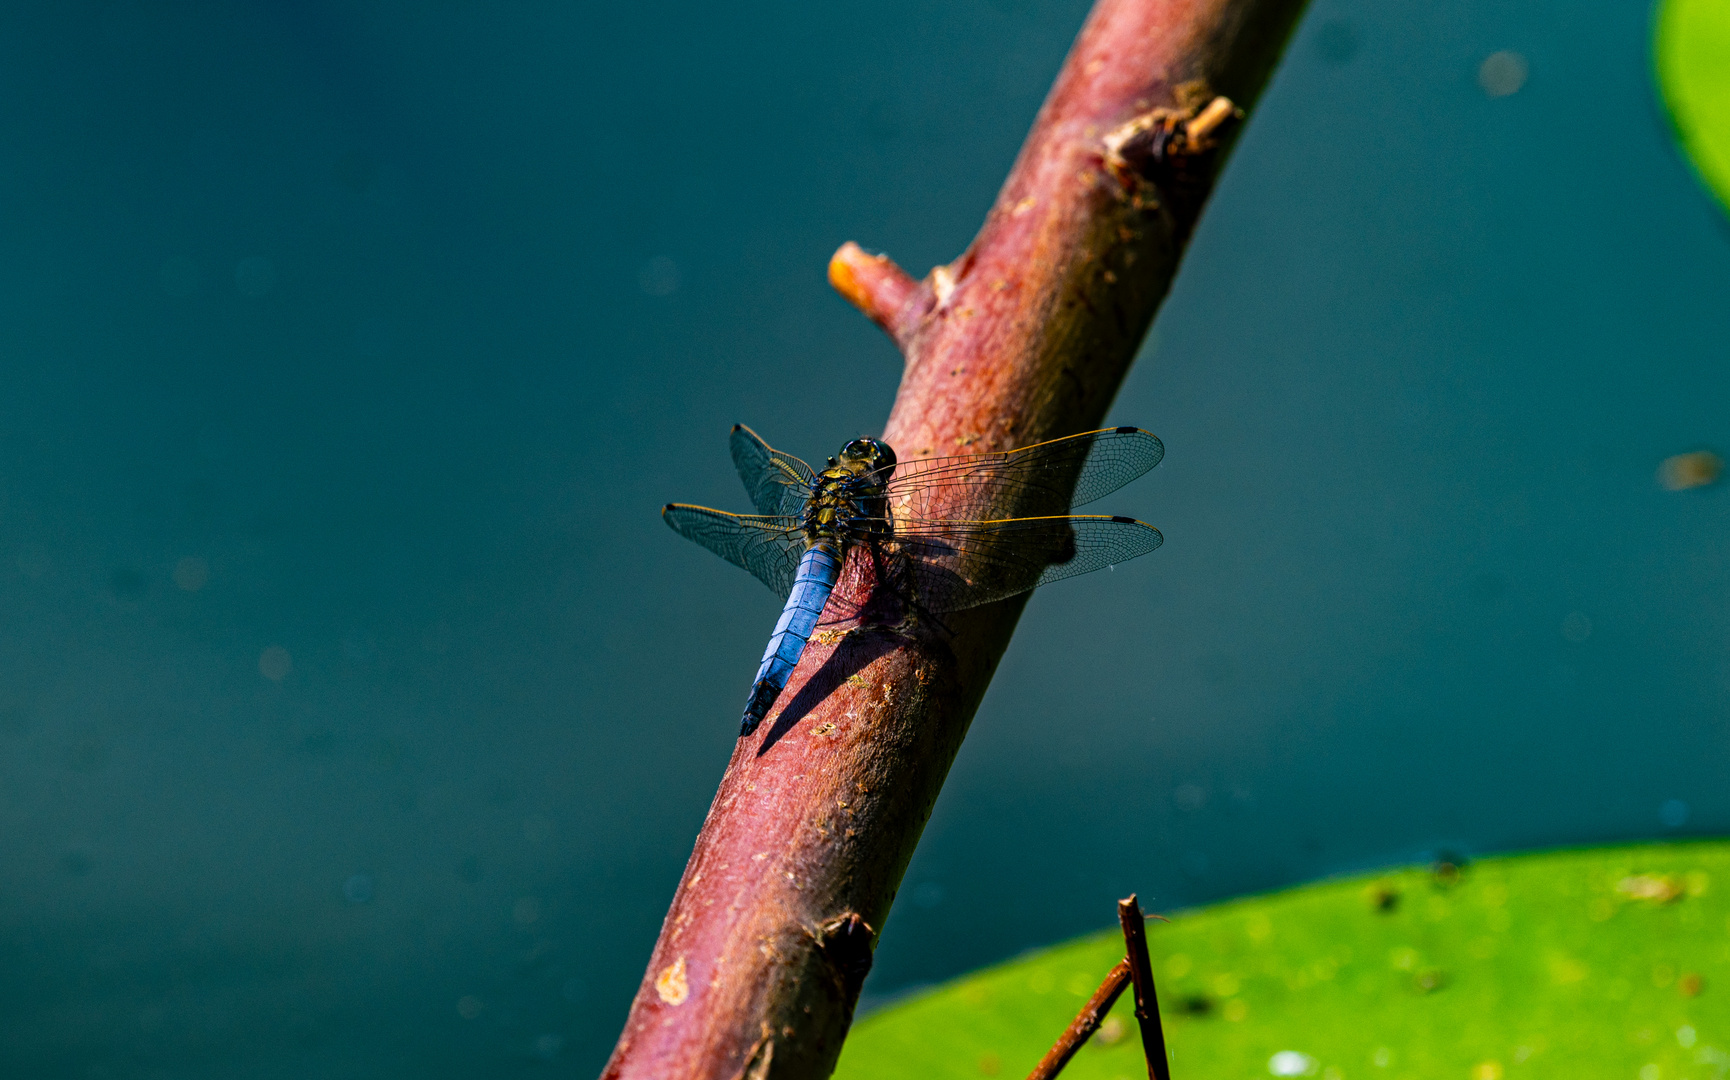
(818, 571)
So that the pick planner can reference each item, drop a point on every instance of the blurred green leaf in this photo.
(1691, 52)
(1611, 962)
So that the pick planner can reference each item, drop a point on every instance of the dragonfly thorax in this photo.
(846, 501)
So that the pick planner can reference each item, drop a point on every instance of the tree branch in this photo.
(1025, 337)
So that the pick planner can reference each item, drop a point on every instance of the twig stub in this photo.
(876, 286)
(1199, 131)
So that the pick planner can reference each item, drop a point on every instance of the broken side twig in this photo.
(1086, 1022)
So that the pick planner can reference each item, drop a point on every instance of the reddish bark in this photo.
(1025, 337)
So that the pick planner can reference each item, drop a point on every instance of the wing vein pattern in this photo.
(1042, 480)
(778, 483)
(955, 565)
(769, 547)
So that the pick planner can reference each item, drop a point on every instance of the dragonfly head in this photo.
(868, 457)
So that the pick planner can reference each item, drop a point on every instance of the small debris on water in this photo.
(357, 889)
(1683, 471)
(1658, 888)
(1502, 73)
(1383, 898)
(1291, 1063)
(1112, 1031)
(547, 1047)
(1195, 1005)
(1673, 814)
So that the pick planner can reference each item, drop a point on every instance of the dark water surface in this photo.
(357, 712)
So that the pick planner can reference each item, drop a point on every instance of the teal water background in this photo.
(356, 711)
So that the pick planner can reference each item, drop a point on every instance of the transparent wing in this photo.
(769, 547)
(953, 565)
(778, 483)
(1042, 480)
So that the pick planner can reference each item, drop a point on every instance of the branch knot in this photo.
(847, 941)
(1172, 149)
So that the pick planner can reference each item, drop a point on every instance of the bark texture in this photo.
(1025, 337)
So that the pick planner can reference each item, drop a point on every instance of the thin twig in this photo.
(1146, 1001)
(1086, 1022)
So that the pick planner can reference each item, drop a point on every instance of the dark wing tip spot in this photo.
(1125, 520)
(666, 508)
(1127, 430)
(737, 428)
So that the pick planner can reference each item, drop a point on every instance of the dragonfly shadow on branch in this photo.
(854, 653)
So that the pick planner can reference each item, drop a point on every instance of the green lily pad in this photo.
(1691, 51)
(1610, 962)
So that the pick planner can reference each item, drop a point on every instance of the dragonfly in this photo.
(946, 533)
